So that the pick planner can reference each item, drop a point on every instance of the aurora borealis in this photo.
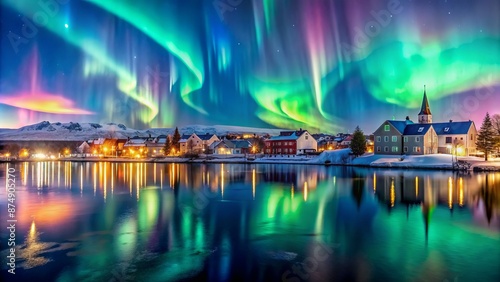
(324, 65)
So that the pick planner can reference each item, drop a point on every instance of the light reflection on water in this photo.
(161, 222)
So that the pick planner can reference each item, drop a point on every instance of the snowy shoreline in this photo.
(334, 158)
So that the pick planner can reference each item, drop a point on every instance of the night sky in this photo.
(317, 64)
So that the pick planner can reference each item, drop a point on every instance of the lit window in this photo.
(394, 139)
(395, 149)
(387, 127)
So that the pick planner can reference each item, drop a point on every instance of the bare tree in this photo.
(495, 121)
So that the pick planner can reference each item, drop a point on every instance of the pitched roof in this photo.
(425, 109)
(234, 144)
(185, 137)
(417, 129)
(291, 132)
(347, 139)
(456, 127)
(293, 136)
(206, 136)
(400, 124)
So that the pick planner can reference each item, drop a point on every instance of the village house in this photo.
(396, 137)
(84, 148)
(325, 142)
(155, 146)
(135, 146)
(229, 147)
(196, 143)
(291, 143)
(346, 142)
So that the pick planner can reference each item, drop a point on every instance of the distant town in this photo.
(393, 137)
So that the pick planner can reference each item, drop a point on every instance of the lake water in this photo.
(236, 222)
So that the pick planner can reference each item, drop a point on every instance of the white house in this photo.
(190, 143)
(83, 148)
(456, 137)
(196, 143)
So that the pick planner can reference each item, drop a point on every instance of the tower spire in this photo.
(425, 115)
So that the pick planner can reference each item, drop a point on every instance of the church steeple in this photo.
(425, 115)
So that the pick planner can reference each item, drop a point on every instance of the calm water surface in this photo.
(236, 222)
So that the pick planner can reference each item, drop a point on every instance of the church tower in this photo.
(425, 115)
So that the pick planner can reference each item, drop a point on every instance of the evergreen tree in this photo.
(168, 146)
(175, 139)
(358, 142)
(486, 139)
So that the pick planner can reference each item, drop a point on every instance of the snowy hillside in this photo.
(74, 131)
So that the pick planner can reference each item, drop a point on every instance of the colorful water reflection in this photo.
(162, 222)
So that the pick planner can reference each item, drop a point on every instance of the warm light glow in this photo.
(393, 193)
(416, 186)
(253, 183)
(450, 193)
(461, 192)
(305, 191)
(222, 179)
(39, 156)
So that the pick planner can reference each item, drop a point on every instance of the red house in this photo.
(291, 143)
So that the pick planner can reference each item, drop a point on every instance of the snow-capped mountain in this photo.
(74, 131)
